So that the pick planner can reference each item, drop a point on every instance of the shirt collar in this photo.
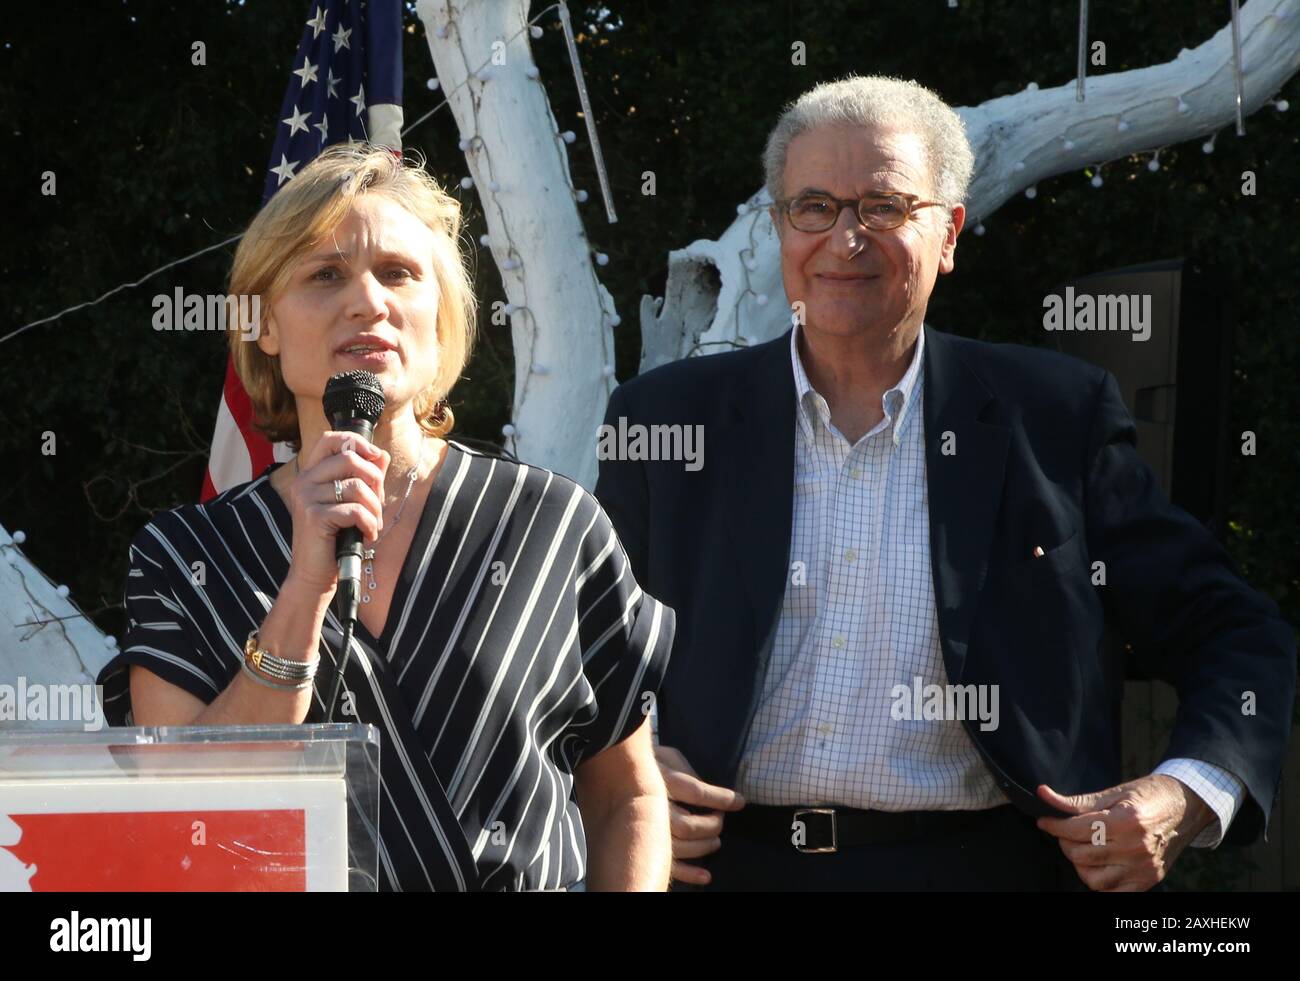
(895, 402)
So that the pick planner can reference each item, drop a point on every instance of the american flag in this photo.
(346, 85)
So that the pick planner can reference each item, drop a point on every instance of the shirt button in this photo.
(837, 641)
(850, 556)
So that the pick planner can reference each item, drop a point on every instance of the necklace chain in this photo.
(368, 555)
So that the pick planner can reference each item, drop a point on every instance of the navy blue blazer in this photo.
(1045, 455)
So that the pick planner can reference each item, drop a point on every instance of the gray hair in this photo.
(876, 101)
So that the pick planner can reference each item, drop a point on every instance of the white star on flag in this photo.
(317, 23)
(324, 127)
(285, 170)
(340, 38)
(332, 82)
(298, 121)
(307, 72)
(359, 100)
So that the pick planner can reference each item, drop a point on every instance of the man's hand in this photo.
(1126, 838)
(694, 835)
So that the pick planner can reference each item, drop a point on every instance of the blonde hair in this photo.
(311, 206)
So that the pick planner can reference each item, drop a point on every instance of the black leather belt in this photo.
(816, 830)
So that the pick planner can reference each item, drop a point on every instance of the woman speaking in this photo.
(502, 647)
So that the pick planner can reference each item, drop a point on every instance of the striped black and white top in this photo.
(517, 644)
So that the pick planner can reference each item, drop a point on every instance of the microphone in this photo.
(353, 402)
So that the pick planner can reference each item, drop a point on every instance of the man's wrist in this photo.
(1197, 814)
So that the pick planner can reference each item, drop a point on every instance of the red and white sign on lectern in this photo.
(190, 808)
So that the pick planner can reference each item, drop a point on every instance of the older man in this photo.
(893, 573)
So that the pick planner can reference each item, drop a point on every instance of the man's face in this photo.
(853, 280)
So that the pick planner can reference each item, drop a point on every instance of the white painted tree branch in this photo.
(727, 292)
(561, 322)
(44, 638)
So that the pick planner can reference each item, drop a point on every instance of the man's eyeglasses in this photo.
(815, 212)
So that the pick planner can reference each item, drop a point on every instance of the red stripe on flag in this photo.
(260, 452)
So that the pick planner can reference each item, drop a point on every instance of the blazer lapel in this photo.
(965, 462)
(757, 445)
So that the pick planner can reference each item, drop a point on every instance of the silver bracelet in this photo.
(282, 669)
(271, 684)
(278, 673)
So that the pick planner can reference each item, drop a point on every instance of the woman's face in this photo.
(364, 297)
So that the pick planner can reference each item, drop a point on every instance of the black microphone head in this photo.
(354, 395)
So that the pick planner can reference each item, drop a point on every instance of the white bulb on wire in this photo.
(602, 259)
(110, 641)
(484, 240)
(1183, 106)
(1153, 164)
(1096, 180)
(1031, 87)
(1123, 126)
(607, 371)
(760, 299)
(531, 71)
(20, 537)
(568, 136)
(580, 196)
(508, 430)
(1207, 146)
(1018, 165)
(1031, 192)
(467, 182)
(1282, 105)
(535, 32)
(63, 591)
(615, 320)
(1068, 144)
(433, 84)
(463, 145)
(979, 229)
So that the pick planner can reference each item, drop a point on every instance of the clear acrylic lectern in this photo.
(281, 808)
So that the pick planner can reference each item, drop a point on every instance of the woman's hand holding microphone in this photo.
(360, 467)
(292, 627)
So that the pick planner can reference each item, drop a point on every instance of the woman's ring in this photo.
(338, 491)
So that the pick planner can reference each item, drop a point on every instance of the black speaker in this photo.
(1176, 381)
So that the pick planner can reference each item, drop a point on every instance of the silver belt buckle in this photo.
(834, 845)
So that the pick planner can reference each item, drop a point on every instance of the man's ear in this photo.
(955, 225)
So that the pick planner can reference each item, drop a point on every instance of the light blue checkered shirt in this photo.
(859, 618)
